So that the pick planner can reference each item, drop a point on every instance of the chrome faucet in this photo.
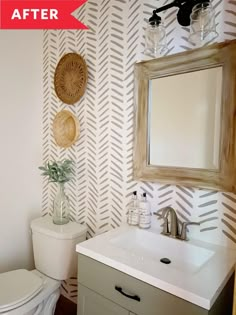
(174, 224)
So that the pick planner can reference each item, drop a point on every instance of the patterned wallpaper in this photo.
(101, 191)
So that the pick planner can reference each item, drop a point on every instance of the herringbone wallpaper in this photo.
(100, 193)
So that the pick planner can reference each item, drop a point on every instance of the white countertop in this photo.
(201, 286)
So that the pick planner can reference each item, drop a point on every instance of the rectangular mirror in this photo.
(185, 118)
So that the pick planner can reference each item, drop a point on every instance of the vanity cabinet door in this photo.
(91, 303)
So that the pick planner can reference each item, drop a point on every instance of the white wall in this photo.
(21, 100)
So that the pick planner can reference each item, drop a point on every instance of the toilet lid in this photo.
(17, 287)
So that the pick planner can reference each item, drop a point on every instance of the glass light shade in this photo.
(155, 40)
(202, 24)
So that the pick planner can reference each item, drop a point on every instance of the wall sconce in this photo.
(198, 14)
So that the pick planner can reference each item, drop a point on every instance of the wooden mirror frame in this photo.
(224, 178)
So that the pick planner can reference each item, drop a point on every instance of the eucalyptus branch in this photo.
(59, 172)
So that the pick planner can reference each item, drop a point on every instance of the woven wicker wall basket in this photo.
(70, 78)
(66, 129)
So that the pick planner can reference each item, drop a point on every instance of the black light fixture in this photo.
(198, 14)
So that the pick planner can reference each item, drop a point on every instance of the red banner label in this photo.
(40, 14)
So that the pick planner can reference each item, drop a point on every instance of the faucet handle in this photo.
(158, 214)
(183, 235)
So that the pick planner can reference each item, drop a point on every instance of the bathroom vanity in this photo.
(100, 290)
(120, 273)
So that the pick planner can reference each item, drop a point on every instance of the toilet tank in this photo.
(54, 247)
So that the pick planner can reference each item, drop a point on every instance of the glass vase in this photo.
(61, 206)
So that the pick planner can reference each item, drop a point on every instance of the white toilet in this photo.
(36, 292)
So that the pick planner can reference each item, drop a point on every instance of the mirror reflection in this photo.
(184, 119)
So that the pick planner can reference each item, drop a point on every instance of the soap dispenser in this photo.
(144, 213)
(133, 212)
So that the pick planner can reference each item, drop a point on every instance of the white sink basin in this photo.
(197, 273)
(183, 255)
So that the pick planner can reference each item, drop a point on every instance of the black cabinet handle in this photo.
(133, 297)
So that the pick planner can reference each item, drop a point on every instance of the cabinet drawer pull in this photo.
(133, 297)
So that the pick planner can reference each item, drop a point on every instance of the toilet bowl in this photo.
(36, 292)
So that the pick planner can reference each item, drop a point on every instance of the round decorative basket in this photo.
(70, 78)
(66, 129)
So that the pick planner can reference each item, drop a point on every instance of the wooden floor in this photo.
(65, 307)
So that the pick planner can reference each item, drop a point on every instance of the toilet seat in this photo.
(17, 287)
